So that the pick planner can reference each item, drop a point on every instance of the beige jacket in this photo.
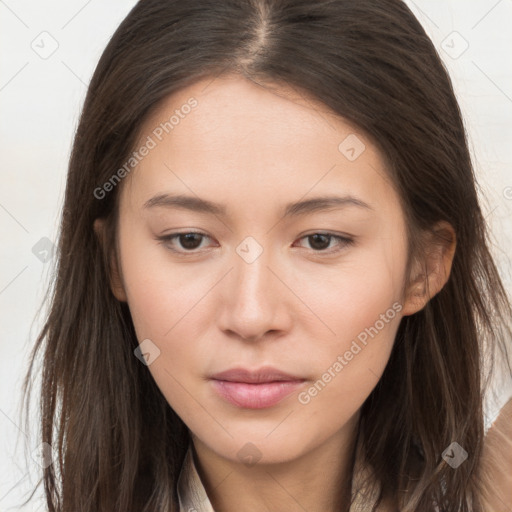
(497, 470)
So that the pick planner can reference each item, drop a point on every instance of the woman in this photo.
(274, 288)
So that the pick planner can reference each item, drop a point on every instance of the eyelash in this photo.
(344, 241)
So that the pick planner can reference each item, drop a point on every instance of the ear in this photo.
(429, 275)
(116, 281)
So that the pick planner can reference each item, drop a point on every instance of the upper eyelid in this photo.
(189, 232)
(343, 238)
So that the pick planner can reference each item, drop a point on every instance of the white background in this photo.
(40, 99)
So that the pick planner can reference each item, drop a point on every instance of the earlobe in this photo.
(416, 296)
(116, 281)
(430, 276)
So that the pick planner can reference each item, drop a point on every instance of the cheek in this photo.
(352, 296)
(361, 304)
(159, 312)
(166, 307)
(158, 295)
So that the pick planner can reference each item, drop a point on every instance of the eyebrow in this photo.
(197, 204)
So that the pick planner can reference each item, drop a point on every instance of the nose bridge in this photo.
(251, 305)
(252, 278)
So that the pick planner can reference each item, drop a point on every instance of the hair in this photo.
(120, 445)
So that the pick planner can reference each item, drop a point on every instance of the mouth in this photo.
(259, 389)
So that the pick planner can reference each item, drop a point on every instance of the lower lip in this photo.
(255, 396)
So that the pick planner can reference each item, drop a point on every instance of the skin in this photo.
(254, 150)
(497, 461)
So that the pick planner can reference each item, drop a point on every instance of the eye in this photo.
(190, 242)
(187, 241)
(319, 242)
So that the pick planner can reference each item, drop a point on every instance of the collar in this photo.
(193, 498)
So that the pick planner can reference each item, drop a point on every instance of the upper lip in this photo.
(265, 374)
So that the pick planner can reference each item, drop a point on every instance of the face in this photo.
(286, 249)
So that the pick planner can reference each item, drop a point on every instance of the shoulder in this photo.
(496, 463)
(495, 467)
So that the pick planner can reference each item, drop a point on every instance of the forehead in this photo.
(232, 109)
(241, 141)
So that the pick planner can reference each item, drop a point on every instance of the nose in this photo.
(255, 301)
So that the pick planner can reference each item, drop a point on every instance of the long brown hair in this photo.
(119, 444)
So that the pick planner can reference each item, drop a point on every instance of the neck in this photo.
(317, 480)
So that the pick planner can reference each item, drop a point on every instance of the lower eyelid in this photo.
(167, 240)
(343, 241)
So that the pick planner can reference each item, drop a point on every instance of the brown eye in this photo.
(321, 242)
(190, 240)
(187, 242)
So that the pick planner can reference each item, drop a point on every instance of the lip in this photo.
(263, 375)
(258, 389)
